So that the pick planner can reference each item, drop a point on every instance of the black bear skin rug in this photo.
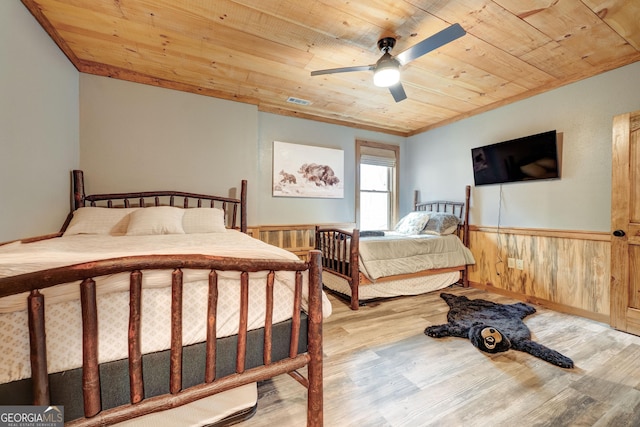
(493, 327)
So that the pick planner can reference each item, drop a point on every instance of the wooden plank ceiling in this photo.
(262, 51)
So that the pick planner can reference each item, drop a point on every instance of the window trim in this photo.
(395, 181)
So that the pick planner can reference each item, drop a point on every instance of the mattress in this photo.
(63, 312)
(394, 253)
(66, 387)
(397, 253)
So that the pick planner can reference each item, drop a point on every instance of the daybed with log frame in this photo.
(189, 362)
(345, 255)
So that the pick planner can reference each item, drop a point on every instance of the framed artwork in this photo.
(307, 171)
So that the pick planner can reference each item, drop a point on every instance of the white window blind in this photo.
(377, 156)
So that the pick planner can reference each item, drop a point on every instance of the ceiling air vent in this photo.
(298, 101)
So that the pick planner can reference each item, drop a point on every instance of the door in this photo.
(625, 223)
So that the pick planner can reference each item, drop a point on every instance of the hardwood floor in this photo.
(381, 370)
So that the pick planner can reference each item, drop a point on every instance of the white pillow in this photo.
(97, 220)
(412, 223)
(203, 220)
(441, 223)
(156, 220)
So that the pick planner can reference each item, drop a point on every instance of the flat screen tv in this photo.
(529, 158)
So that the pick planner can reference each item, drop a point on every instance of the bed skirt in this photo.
(392, 288)
(222, 409)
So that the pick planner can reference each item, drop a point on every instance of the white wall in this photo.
(440, 160)
(38, 126)
(286, 210)
(136, 137)
(128, 136)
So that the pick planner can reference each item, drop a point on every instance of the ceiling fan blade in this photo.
(343, 70)
(430, 43)
(397, 91)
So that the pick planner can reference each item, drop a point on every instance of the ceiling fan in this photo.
(386, 71)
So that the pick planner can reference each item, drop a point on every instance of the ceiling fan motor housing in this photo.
(386, 44)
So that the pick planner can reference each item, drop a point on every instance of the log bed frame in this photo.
(338, 260)
(140, 405)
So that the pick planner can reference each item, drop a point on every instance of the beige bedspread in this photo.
(62, 308)
(397, 253)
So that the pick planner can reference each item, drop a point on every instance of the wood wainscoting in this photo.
(298, 238)
(568, 271)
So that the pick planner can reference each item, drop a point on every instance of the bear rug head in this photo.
(493, 327)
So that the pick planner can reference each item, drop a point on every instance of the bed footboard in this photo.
(139, 403)
(340, 254)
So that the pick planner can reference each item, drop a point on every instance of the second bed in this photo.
(427, 250)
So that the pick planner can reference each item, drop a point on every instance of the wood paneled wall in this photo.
(299, 239)
(567, 271)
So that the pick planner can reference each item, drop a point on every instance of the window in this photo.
(376, 180)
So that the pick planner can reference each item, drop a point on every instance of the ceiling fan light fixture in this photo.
(386, 72)
(386, 75)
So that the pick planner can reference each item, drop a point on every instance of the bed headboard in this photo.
(460, 209)
(457, 208)
(235, 209)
